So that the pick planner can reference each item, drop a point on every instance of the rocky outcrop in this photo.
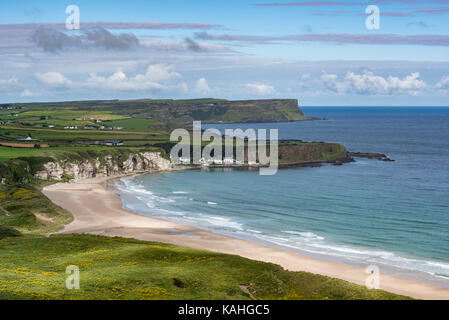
(371, 155)
(104, 166)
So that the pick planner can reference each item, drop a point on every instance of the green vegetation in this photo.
(160, 112)
(6, 232)
(33, 267)
(299, 152)
(136, 123)
(25, 208)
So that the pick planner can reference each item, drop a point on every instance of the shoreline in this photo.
(97, 209)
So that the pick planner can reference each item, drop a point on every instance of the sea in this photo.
(394, 215)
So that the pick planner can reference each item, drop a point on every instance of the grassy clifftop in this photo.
(33, 267)
(156, 113)
(309, 152)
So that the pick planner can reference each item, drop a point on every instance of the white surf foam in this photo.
(137, 198)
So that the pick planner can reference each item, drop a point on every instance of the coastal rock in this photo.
(371, 155)
(135, 162)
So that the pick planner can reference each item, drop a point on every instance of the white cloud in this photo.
(202, 86)
(29, 94)
(305, 80)
(11, 81)
(53, 79)
(443, 84)
(371, 84)
(157, 77)
(260, 88)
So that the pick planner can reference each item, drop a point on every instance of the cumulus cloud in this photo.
(53, 79)
(371, 84)
(202, 86)
(304, 80)
(260, 88)
(54, 40)
(443, 84)
(100, 37)
(158, 77)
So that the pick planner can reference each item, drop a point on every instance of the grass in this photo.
(179, 112)
(25, 208)
(136, 123)
(7, 153)
(67, 114)
(310, 151)
(6, 232)
(33, 267)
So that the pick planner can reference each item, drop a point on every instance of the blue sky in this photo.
(319, 52)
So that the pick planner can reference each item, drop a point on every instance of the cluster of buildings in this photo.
(105, 142)
(88, 119)
(211, 161)
(93, 128)
(11, 107)
(97, 121)
(111, 128)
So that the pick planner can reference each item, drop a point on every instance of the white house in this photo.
(184, 160)
(228, 161)
(27, 138)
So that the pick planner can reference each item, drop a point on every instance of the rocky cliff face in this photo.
(106, 166)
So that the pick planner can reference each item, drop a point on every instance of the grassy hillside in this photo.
(24, 208)
(33, 267)
(136, 123)
(152, 113)
(299, 152)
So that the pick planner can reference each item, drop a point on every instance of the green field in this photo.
(7, 153)
(33, 267)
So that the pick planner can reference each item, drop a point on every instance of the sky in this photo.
(322, 53)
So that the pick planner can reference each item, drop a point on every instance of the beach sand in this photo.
(97, 209)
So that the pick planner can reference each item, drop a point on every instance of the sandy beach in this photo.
(97, 209)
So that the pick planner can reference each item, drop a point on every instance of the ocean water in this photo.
(392, 214)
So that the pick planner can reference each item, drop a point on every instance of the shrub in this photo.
(6, 232)
(66, 177)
